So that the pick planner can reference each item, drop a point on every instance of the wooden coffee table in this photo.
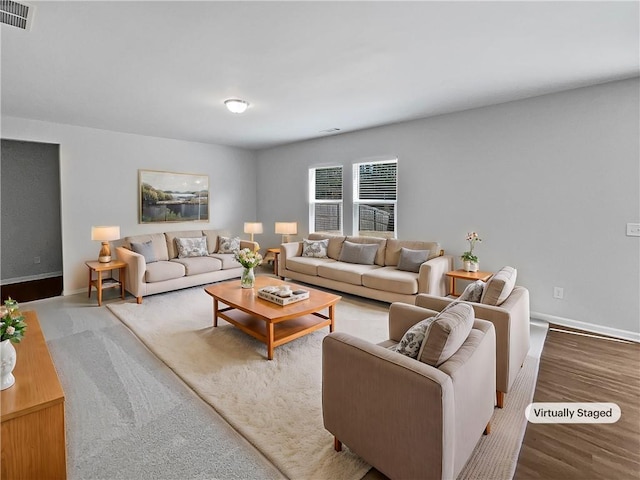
(272, 324)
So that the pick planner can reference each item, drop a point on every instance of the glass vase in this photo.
(248, 278)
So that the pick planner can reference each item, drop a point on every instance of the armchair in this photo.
(407, 418)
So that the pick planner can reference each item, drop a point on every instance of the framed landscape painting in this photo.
(173, 197)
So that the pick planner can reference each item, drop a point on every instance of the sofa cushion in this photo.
(228, 244)
(197, 265)
(381, 242)
(390, 279)
(473, 292)
(146, 250)
(394, 247)
(499, 287)
(192, 247)
(413, 338)
(212, 240)
(446, 334)
(228, 260)
(335, 243)
(170, 237)
(410, 260)
(315, 248)
(163, 270)
(158, 241)
(307, 265)
(360, 253)
(344, 272)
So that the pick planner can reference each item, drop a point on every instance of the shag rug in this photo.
(277, 405)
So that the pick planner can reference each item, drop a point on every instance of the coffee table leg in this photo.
(215, 312)
(332, 312)
(270, 335)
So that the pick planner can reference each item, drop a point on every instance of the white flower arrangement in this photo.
(472, 238)
(247, 258)
(12, 325)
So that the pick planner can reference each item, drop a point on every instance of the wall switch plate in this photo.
(558, 292)
(633, 229)
(36, 259)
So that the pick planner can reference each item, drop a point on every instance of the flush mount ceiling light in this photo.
(235, 105)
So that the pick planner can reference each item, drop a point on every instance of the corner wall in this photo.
(548, 182)
(99, 184)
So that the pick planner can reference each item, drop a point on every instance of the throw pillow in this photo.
(446, 334)
(146, 250)
(228, 244)
(361, 253)
(192, 247)
(499, 287)
(410, 260)
(411, 341)
(473, 292)
(315, 248)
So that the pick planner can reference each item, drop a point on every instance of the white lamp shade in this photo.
(235, 105)
(287, 228)
(252, 227)
(105, 233)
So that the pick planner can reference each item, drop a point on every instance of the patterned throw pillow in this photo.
(315, 248)
(228, 244)
(192, 247)
(473, 292)
(412, 339)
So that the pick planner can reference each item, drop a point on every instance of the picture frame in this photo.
(169, 197)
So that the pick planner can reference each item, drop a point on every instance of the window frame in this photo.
(313, 201)
(357, 201)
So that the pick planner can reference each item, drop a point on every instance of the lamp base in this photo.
(105, 253)
(105, 259)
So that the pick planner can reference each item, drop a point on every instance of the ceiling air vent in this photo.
(16, 14)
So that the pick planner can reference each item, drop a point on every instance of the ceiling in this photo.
(164, 68)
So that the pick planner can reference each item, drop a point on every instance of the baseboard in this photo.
(588, 327)
(30, 278)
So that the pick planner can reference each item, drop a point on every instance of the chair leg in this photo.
(337, 444)
(487, 429)
(500, 399)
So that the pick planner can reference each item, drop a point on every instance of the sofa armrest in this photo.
(136, 268)
(253, 246)
(403, 316)
(432, 278)
(394, 411)
(288, 250)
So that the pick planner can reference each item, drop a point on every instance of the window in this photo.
(375, 186)
(325, 199)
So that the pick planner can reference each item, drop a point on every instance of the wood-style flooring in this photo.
(577, 367)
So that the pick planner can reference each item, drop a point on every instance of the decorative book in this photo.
(270, 294)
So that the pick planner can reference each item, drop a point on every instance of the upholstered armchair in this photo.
(506, 305)
(403, 415)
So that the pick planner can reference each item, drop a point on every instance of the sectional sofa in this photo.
(161, 262)
(393, 273)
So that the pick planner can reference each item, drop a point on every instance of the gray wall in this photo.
(30, 211)
(548, 182)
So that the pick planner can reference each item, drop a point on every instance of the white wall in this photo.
(99, 184)
(548, 182)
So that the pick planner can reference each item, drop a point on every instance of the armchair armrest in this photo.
(394, 411)
(136, 268)
(403, 316)
(431, 277)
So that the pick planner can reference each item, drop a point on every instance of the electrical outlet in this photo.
(558, 292)
(633, 229)
(36, 259)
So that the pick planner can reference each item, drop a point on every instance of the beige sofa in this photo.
(171, 271)
(412, 418)
(382, 280)
(506, 305)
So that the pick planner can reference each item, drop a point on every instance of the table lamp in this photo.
(286, 229)
(104, 234)
(251, 228)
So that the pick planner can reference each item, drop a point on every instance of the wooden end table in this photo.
(272, 254)
(464, 275)
(271, 324)
(99, 283)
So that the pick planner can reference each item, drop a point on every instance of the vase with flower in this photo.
(469, 260)
(12, 329)
(249, 260)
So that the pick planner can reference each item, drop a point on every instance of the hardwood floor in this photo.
(581, 368)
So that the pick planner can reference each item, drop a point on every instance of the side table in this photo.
(272, 254)
(99, 283)
(464, 275)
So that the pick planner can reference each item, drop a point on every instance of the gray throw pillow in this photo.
(412, 339)
(146, 250)
(473, 292)
(410, 260)
(361, 253)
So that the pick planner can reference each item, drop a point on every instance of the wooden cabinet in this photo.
(33, 430)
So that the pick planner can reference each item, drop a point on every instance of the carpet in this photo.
(276, 404)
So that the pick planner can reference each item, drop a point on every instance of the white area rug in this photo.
(276, 404)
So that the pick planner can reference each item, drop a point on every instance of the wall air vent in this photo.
(16, 14)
